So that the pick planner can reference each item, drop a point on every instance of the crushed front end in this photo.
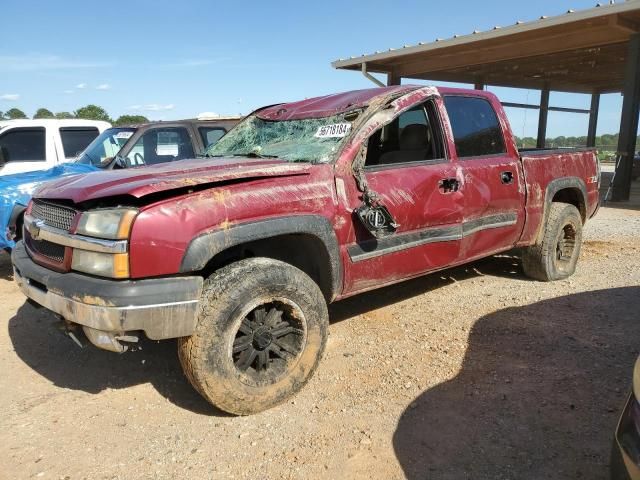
(76, 264)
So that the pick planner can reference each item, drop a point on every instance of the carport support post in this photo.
(393, 79)
(593, 120)
(542, 119)
(628, 123)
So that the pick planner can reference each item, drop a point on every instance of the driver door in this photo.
(407, 168)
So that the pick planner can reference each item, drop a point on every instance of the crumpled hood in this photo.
(139, 182)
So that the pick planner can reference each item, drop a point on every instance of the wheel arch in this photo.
(16, 219)
(571, 190)
(307, 242)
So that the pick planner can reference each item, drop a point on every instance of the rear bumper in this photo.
(162, 308)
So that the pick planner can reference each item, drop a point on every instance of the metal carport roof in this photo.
(576, 52)
(592, 51)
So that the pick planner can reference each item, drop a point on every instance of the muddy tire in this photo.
(556, 253)
(261, 331)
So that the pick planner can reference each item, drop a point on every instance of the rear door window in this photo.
(476, 130)
(75, 140)
(24, 145)
(211, 135)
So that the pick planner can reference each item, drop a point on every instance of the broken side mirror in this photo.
(374, 216)
(377, 220)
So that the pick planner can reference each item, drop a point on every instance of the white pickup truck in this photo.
(28, 145)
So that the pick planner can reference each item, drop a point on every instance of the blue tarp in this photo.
(17, 190)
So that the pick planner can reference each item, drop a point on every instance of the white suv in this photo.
(28, 145)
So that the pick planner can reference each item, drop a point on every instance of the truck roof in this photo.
(329, 105)
(188, 121)
(54, 122)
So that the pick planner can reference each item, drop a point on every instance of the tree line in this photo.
(89, 112)
(607, 140)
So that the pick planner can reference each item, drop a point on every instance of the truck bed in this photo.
(553, 151)
(544, 168)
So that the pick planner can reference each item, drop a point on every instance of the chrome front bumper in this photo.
(162, 308)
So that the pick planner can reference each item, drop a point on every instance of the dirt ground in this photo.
(476, 372)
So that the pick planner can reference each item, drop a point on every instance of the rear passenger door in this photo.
(407, 167)
(492, 187)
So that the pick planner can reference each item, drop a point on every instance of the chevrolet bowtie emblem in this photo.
(34, 228)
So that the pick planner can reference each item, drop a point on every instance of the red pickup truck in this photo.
(301, 204)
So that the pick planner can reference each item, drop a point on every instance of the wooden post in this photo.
(628, 123)
(393, 79)
(542, 118)
(593, 120)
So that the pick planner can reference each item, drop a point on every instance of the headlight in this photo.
(112, 224)
(113, 265)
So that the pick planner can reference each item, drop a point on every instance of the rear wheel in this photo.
(555, 255)
(261, 332)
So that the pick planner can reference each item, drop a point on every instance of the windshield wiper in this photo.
(253, 155)
(246, 154)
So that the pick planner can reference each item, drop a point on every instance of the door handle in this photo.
(506, 177)
(448, 185)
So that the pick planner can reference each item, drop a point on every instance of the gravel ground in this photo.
(475, 372)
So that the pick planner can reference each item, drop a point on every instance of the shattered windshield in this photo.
(314, 140)
(106, 146)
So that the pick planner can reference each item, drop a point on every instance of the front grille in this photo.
(52, 251)
(53, 215)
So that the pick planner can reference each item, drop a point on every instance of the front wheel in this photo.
(261, 331)
(555, 255)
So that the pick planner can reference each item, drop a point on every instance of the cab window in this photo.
(75, 140)
(160, 145)
(411, 137)
(211, 135)
(23, 145)
(476, 130)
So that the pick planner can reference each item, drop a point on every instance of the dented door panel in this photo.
(427, 213)
(428, 233)
(494, 208)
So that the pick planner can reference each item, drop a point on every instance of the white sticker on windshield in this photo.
(124, 134)
(337, 130)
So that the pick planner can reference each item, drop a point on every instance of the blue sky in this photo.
(168, 59)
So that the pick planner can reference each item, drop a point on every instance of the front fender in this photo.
(207, 245)
(9, 216)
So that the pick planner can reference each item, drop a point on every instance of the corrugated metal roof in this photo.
(497, 32)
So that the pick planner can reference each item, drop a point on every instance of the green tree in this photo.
(1, 115)
(44, 113)
(64, 115)
(14, 113)
(130, 120)
(92, 112)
